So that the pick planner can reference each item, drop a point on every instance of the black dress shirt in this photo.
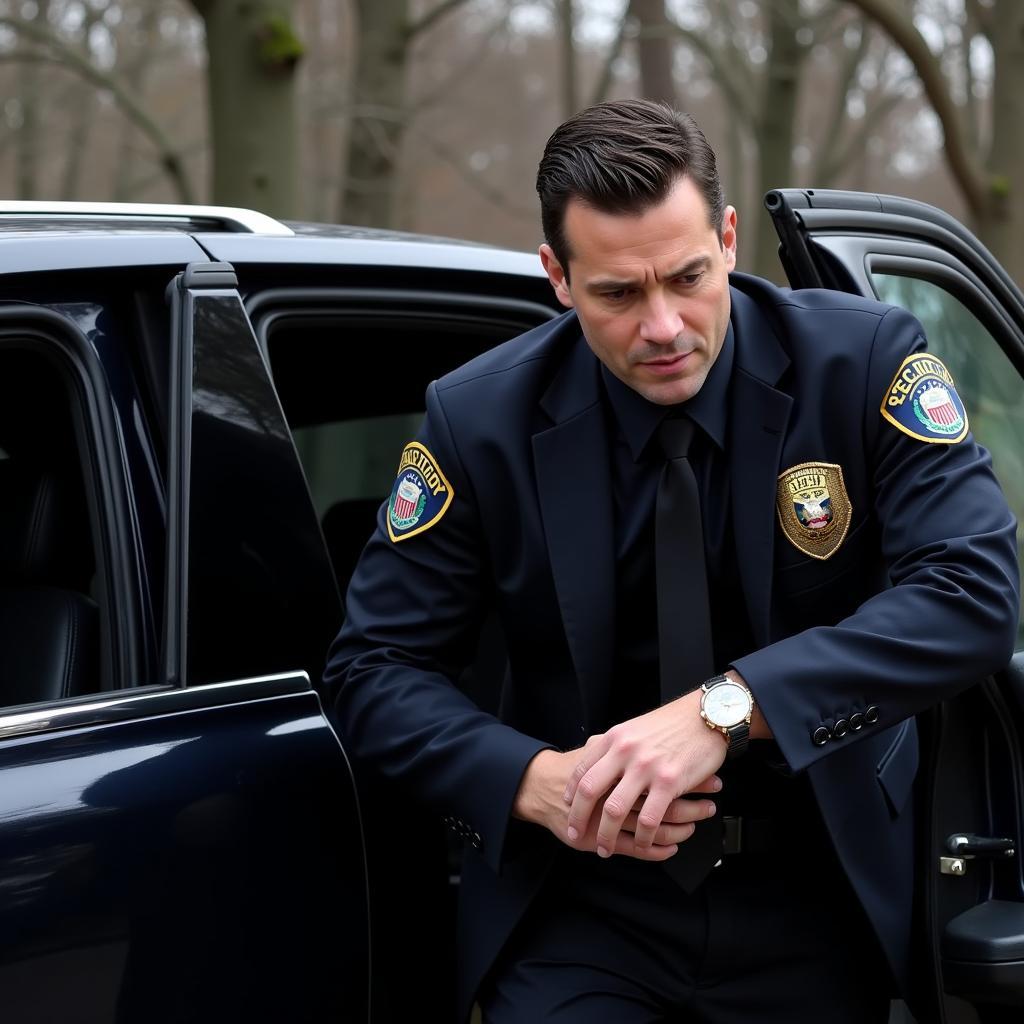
(753, 781)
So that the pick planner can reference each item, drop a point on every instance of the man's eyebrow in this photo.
(698, 263)
(611, 284)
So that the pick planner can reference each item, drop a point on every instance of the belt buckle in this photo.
(732, 837)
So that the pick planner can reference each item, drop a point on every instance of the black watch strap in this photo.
(739, 738)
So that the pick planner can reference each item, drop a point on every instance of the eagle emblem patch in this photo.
(421, 494)
(922, 401)
(814, 508)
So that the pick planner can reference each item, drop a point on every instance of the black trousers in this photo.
(767, 938)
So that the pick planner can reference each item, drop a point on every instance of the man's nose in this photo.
(661, 323)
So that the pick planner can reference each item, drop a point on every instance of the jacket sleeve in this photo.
(413, 614)
(949, 616)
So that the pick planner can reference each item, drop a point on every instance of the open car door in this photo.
(971, 786)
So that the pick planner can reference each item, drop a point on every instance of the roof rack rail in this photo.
(229, 218)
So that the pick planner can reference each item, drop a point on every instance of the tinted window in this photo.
(352, 387)
(50, 598)
(988, 383)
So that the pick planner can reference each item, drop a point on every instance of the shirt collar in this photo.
(638, 418)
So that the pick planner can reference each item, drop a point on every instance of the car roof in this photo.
(246, 236)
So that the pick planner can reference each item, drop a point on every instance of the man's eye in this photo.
(689, 280)
(619, 295)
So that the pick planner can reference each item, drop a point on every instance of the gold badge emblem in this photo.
(814, 508)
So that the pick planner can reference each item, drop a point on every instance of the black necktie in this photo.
(684, 616)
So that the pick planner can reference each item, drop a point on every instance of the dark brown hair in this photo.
(623, 157)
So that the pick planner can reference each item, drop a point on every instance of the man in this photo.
(854, 564)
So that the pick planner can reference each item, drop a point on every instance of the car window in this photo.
(352, 387)
(353, 460)
(52, 614)
(990, 385)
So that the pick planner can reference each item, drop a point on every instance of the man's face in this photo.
(651, 290)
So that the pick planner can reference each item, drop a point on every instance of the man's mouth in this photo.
(666, 364)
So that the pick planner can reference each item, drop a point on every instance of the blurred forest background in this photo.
(430, 115)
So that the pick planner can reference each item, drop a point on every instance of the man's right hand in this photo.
(541, 800)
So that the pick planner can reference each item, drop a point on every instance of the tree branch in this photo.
(604, 82)
(981, 15)
(830, 170)
(489, 192)
(847, 74)
(74, 61)
(461, 72)
(965, 169)
(434, 15)
(726, 74)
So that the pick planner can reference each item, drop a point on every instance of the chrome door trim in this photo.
(104, 709)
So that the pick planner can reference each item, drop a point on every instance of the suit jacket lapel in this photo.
(759, 414)
(575, 492)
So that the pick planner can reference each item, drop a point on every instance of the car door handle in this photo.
(966, 844)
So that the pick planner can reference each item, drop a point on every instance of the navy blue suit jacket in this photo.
(919, 600)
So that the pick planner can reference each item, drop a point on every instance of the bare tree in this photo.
(386, 33)
(38, 42)
(991, 183)
(654, 49)
(252, 53)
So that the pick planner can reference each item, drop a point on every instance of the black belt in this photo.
(755, 836)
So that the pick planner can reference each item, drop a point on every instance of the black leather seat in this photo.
(49, 626)
(347, 526)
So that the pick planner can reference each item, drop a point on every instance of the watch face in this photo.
(726, 704)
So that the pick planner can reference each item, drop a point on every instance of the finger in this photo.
(650, 817)
(626, 846)
(686, 809)
(617, 807)
(591, 788)
(678, 812)
(668, 834)
(712, 784)
(589, 754)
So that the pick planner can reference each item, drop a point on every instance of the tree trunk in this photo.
(30, 100)
(378, 117)
(655, 48)
(775, 125)
(1002, 226)
(135, 72)
(252, 54)
(566, 28)
(82, 104)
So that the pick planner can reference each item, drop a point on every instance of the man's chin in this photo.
(668, 392)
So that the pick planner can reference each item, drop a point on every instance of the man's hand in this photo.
(540, 799)
(626, 779)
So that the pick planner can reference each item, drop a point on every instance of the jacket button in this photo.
(841, 728)
(820, 736)
(871, 715)
(857, 722)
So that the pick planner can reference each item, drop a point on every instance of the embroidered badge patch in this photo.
(421, 494)
(922, 401)
(814, 508)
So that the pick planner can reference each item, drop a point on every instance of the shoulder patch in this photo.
(922, 401)
(421, 494)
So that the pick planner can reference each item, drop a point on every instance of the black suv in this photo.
(200, 412)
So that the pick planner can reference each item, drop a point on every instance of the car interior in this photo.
(50, 616)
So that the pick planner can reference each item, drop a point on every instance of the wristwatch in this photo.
(726, 705)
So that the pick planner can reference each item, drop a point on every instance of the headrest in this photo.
(347, 526)
(45, 538)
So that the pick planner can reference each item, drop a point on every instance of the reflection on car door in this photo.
(185, 843)
(971, 886)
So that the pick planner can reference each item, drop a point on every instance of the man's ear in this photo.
(729, 237)
(556, 275)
